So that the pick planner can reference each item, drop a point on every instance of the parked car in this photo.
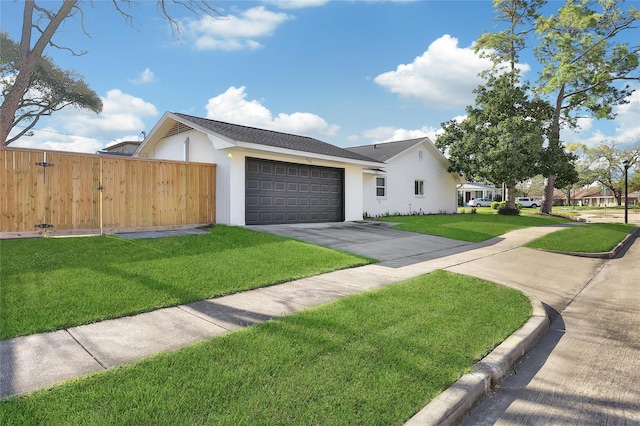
(527, 202)
(480, 202)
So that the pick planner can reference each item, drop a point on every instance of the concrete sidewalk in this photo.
(37, 361)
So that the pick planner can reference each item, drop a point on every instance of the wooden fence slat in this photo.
(136, 193)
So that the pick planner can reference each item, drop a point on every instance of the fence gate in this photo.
(56, 193)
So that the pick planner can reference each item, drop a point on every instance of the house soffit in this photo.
(300, 156)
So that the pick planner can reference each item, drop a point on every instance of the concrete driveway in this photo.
(393, 248)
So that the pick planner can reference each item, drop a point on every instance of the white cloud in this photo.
(233, 106)
(233, 32)
(145, 77)
(625, 128)
(82, 131)
(444, 76)
(51, 139)
(121, 113)
(296, 4)
(628, 119)
(390, 134)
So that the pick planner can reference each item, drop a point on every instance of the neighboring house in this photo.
(262, 176)
(126, 148)
(471, 190)
(597, 197)
(413, 179)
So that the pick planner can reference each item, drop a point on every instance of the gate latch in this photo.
(44, 164)
(43, 225)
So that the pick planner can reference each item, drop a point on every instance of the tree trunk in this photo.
(547, 197)
(511, 196)
(554, 140)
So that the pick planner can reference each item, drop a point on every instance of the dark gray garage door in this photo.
(279, 192)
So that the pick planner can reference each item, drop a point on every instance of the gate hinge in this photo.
(43, 225)
(44, 164)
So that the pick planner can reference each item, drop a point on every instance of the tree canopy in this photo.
(586, 67)
(603, 164)
(50, 89)
(41, 21)
(501, 139)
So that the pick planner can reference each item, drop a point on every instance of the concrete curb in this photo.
(460, 398)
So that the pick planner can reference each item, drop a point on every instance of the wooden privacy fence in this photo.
(58, 193)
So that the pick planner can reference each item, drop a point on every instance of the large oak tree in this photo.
(501, 139)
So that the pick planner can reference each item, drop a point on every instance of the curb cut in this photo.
(455, 402)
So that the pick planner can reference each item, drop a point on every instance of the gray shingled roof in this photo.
(384, 151)
(271, 138)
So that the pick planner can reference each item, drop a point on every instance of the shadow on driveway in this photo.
(377, 240)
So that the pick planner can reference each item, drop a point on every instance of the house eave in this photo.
(307, 155)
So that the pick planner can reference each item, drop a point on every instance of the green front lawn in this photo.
(588, 238)
(373, 358)
(55, 283)
(482, 226)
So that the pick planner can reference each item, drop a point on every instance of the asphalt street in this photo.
(586, 369)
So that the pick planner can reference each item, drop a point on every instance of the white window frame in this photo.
(382, 187)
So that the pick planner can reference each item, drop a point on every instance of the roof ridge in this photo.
(390, 142)
(246, 127)
(273, 138)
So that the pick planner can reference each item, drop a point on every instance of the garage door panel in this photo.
(292, 193)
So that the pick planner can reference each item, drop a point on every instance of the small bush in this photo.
(498, 204)
(508, 211)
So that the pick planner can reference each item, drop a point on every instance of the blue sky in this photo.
(346, 72)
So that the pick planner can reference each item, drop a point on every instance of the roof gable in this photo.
(270, 138)
(385, 151)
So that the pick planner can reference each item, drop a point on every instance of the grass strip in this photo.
(588, 238)
(474, 228)
(55, 283)
(373, 358)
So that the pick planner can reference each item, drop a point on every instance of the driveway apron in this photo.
(377, 240)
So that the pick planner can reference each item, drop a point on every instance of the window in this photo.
(419, 187)
(381, 187)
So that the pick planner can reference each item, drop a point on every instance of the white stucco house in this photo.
(413, 179)
(262, 176)
(268, 177)
(470, 190)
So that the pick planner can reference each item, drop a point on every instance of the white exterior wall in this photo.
(353, 197)
(230, 173)
(401, 173)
